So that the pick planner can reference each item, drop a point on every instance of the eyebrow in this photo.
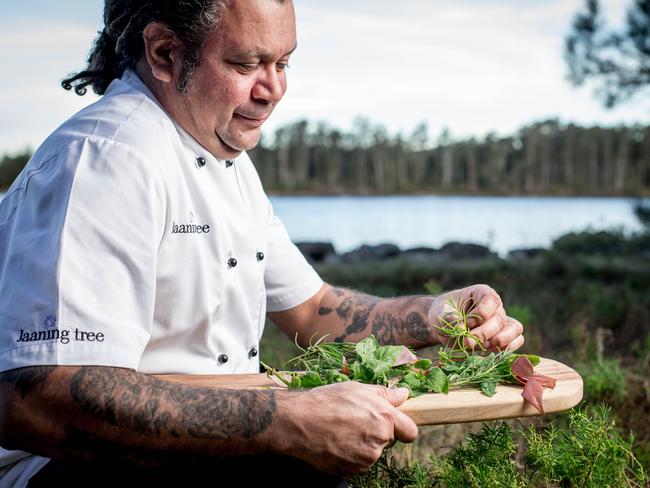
(262, 54)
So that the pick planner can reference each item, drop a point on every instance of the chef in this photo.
(139, 240)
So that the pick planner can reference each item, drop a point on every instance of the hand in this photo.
(343, 428)
(487, 318)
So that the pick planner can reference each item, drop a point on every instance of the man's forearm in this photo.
(347, 315)
(96, 413)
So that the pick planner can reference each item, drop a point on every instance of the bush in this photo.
(604, 381)
(604, 243)
(588, 453)
(486, 459)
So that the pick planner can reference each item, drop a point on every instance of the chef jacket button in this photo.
(229, 163)
(253, 352)
(260, 256)
(232, 262)
(200, 162)
(223, 359)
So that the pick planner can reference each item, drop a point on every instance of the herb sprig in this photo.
(458, 366)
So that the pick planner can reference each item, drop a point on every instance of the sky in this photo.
(471, 66)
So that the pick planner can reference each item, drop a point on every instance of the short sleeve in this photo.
(79, 236)
(289, 279)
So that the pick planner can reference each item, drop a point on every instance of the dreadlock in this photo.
(120, 44)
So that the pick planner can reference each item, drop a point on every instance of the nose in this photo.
(270, 87)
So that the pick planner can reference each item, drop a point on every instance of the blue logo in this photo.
(50, 321)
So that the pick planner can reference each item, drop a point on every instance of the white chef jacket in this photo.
(125, 243)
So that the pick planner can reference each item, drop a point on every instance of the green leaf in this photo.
(366, 348)
(388, 353)
(311, 379)
(423, 363)
(489, 388)
(411, 379)
(451, 367)
(534, 360)
(383, 360)
(295, 382)
(334, 376)
(361, 372)
(436, 381)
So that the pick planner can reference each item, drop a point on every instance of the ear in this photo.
(163, 51)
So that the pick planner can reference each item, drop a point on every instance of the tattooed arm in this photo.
(108, 416)
(94, 413)
(347, 315)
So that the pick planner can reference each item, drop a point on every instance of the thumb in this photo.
(396, 396)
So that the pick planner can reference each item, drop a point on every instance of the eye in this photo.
(281, 66)
(247, 67)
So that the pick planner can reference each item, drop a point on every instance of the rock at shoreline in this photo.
(533, 252)
(317, 252)
(324, 253)
(459, 250)
(423, 255)
(371, 253)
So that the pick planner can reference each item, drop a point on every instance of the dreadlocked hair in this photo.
(120, 44)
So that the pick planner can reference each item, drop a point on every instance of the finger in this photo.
(515, 344)
(489, 329)
(487, 305)
(405, 428)
(503, 339)
(396, 396)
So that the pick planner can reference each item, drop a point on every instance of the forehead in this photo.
(255, 26)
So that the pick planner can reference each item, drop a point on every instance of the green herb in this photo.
(457, 366)
(324, 363)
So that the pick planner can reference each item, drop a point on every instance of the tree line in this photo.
(546, 157)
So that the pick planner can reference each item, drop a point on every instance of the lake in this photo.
(501, 223)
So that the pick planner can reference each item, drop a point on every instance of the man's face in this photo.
(241, 76)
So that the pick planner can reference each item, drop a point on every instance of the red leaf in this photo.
(522, 368)
(405, 357)
(532, 393)
(534, 383)
(545, 381)
(345, 369)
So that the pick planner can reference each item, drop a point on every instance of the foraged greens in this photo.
(457, 366)
(324, 363)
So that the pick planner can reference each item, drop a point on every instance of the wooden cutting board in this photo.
(467, 405)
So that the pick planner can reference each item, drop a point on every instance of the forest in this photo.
(543, 158)
(546, 157)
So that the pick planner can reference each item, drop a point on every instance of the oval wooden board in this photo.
(467, 405)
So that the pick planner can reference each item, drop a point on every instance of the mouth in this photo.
(251, 119)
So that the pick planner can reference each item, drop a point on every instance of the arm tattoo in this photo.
(26, 379)
(389, 329)
(356, 309)
(396, 322)
(150, 407)
(417, 327)
(386, 328)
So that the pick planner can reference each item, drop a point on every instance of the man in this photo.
(138, 240)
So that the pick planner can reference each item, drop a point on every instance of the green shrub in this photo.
(385, 473)
(604, 381)
(604, 243)
(486, 459)
(590, 453)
